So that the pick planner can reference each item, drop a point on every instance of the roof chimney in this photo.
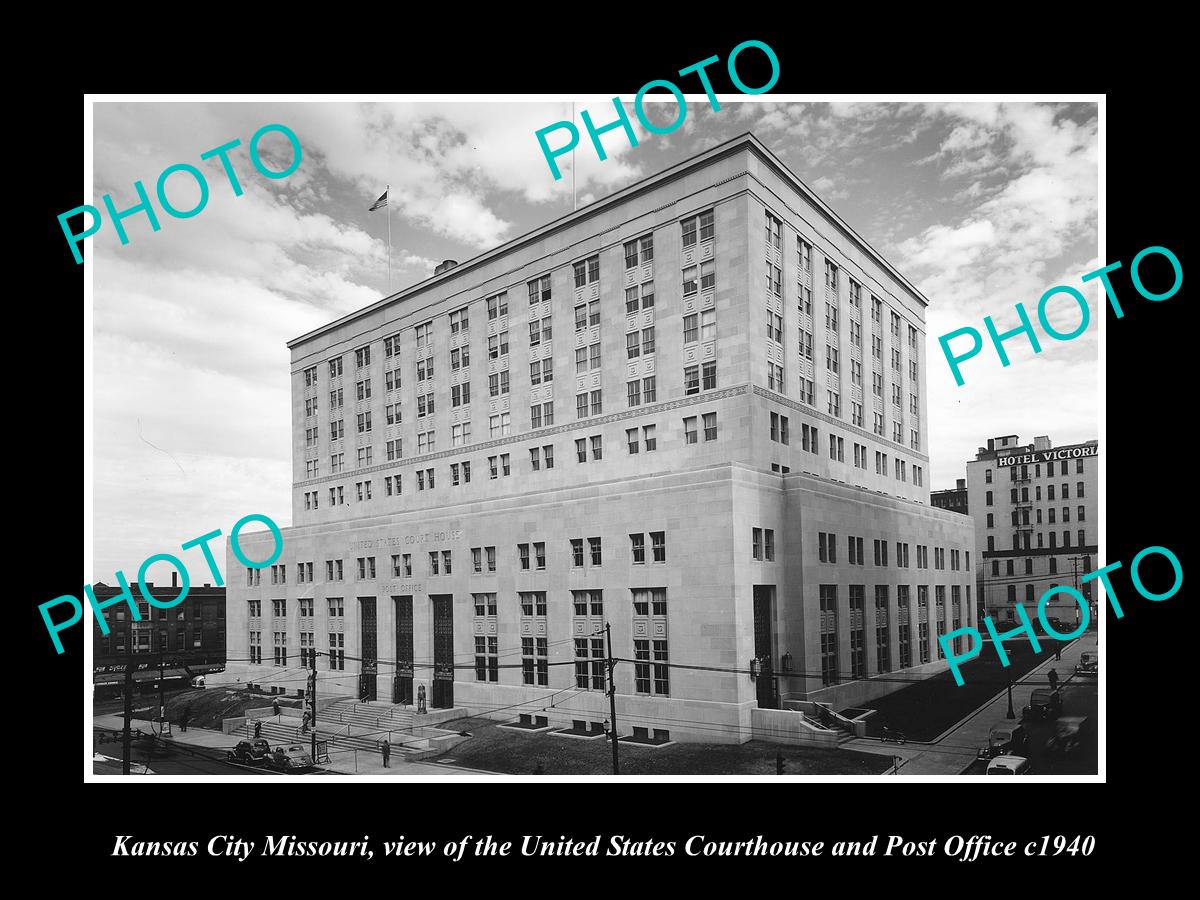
(445, 266)
(174, 579)
(962, 484)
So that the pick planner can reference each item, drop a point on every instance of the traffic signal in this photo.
(780, 765)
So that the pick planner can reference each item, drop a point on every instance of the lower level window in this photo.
(487, 659)
(651, 670)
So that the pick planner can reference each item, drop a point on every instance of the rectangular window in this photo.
(689, 430)
(487, 662)
(806, 391)
(497, 306)
(648, 438)
(829, 633)
(587, 271)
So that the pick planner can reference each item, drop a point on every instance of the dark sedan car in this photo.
(1043, 704)
(250, 753)
(290, 759)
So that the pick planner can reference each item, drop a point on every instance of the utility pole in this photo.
(1075, 560)
(312, 694)
(612, 696)
(125, 738)
(162, 688)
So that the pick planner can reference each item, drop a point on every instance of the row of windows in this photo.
(335, 605)
(335, 653)
(540, 457)
(1021, 495)
(780, 433)
(1037, 470)
(1051, 568)
(1021, 517)
(827, 553)
(1021, 540)
(830, 616)
(164, 615)
(585, 272)
(441, 562)
(140, 641)
(584, 603)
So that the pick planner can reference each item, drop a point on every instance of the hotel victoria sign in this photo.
(1041, 456)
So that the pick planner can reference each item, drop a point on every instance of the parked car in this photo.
(1069, 732)
(1005, 738)
(250, 753)
(198, 681)
(290, 759)
(1089, 664)
(1043, 704)
(1009, 765)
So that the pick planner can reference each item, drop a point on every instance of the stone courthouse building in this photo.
(694, 411)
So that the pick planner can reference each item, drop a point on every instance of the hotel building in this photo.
(1036, 509)
(651, 414)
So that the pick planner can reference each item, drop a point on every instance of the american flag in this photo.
(380, 203)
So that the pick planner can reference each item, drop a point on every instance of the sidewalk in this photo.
(343, 762)
(956, 748)
(198, 737)
(369, 762)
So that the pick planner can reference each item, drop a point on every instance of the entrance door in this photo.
(370, 648)
(443, 651)
(763, 633)
(402, 683)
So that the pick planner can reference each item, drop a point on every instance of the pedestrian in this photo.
(275, 705)
(1052, 676)
(304, 722)
(386, 750)
(258, 729)
(183, 718)
(1058, 651)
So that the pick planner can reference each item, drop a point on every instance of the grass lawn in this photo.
(207, 707)
(927, 708)
(512, 752)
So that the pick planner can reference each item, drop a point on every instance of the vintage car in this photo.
(250, 753)
(1009, 765)
(1089, 664)
(1005, 737)
(1043, 704)
(1069, 732)
(290, 759)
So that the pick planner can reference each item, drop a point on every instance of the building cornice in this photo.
(746, 141)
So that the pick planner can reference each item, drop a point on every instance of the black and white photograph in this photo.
(558, 445)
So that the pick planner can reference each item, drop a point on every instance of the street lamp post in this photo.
(1011, 714)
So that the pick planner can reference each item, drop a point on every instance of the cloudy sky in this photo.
(980, 205)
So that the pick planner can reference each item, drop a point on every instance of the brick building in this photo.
(953, 499)
(191, 636)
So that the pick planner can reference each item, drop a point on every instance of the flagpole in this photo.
(574, 206)
(388, 208)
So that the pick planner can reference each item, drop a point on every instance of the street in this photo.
(1080, 698)
(171, 759)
